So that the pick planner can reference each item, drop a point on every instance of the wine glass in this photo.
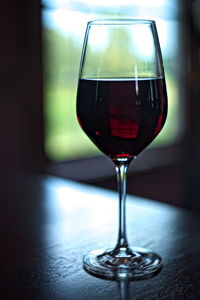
(121, 106)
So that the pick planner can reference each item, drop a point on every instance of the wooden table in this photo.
(47, 224)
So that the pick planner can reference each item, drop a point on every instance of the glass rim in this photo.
(121, 22)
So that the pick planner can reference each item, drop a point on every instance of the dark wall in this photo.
(21, 117)
(191, 61)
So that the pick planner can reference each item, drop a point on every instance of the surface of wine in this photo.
(122, 116)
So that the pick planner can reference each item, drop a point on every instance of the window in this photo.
(64, 24)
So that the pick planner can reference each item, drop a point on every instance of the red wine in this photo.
(122, 116)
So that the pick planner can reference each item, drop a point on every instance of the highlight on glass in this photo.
(122, 107)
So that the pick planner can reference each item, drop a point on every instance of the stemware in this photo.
(122, 106)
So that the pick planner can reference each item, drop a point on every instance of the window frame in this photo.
(97, 168)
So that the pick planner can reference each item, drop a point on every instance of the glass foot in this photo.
(136, 263)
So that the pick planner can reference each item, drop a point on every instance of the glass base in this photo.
(136, 263)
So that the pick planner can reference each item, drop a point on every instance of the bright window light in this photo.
(64, 24)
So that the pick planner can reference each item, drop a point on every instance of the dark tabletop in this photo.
(47, 224)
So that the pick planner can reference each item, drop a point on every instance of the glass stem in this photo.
(122, 243)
